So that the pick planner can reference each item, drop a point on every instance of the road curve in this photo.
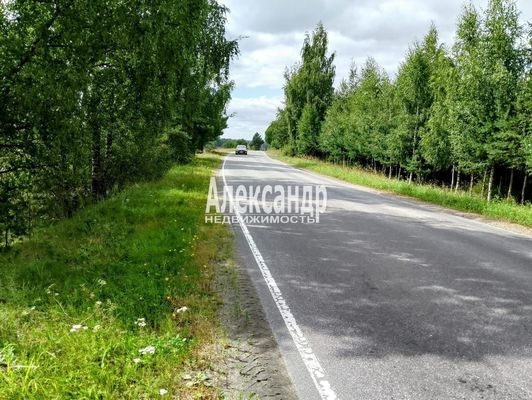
(394, 299)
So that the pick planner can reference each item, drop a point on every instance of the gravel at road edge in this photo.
(252, 364)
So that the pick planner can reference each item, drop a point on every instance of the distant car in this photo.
(241, 149)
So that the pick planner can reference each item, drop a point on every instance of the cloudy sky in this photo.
(272, 34)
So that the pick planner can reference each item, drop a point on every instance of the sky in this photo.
(271, 35)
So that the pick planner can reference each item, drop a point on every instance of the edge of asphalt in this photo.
(252, 366)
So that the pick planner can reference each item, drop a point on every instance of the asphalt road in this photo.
(389, 298)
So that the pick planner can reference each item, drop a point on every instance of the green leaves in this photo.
(256, 142)
(465, 111)
(92, 93)
(309, 93)
(276, 134)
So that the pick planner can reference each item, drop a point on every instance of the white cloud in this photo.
(264, 65)
(274, 30)
(251, 115)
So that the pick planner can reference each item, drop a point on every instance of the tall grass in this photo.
(498, 209)
(115, 303)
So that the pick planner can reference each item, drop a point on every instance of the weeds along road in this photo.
(385, 298)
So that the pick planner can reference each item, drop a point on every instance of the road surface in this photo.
(386, 298)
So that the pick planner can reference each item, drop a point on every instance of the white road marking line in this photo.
(314, 368)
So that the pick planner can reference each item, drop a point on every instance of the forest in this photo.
(457, 116)
(96, 95)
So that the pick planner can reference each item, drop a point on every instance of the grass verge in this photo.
(116, 303)
(461, 201)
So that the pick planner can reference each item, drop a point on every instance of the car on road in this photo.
(241, 149)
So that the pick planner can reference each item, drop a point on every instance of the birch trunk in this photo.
(490, 183)
(452, 178)
(510, 186)
(523, 189)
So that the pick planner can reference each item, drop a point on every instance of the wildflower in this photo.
(147, 350)
(78, 327)
(102, 282)
(162, 392)
(141, 322)
(97, 328)
(98, 303)
(181, 310)
(136, 360)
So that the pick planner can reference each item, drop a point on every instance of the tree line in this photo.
(95, 94)
(458, 116)
(255, 143)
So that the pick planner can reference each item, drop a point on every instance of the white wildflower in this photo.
(147, 350)
(102, 282)
(136, 360)
(97, 328)
(181, 310)
(162, 392)
(141, 322)
(78, 327)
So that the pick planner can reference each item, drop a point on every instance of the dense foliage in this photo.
(308, 93)
(447, 112)
(226, 143)
(96, 94)
(256, 142)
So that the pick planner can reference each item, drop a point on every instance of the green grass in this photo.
(461, 201)
(80, 299)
